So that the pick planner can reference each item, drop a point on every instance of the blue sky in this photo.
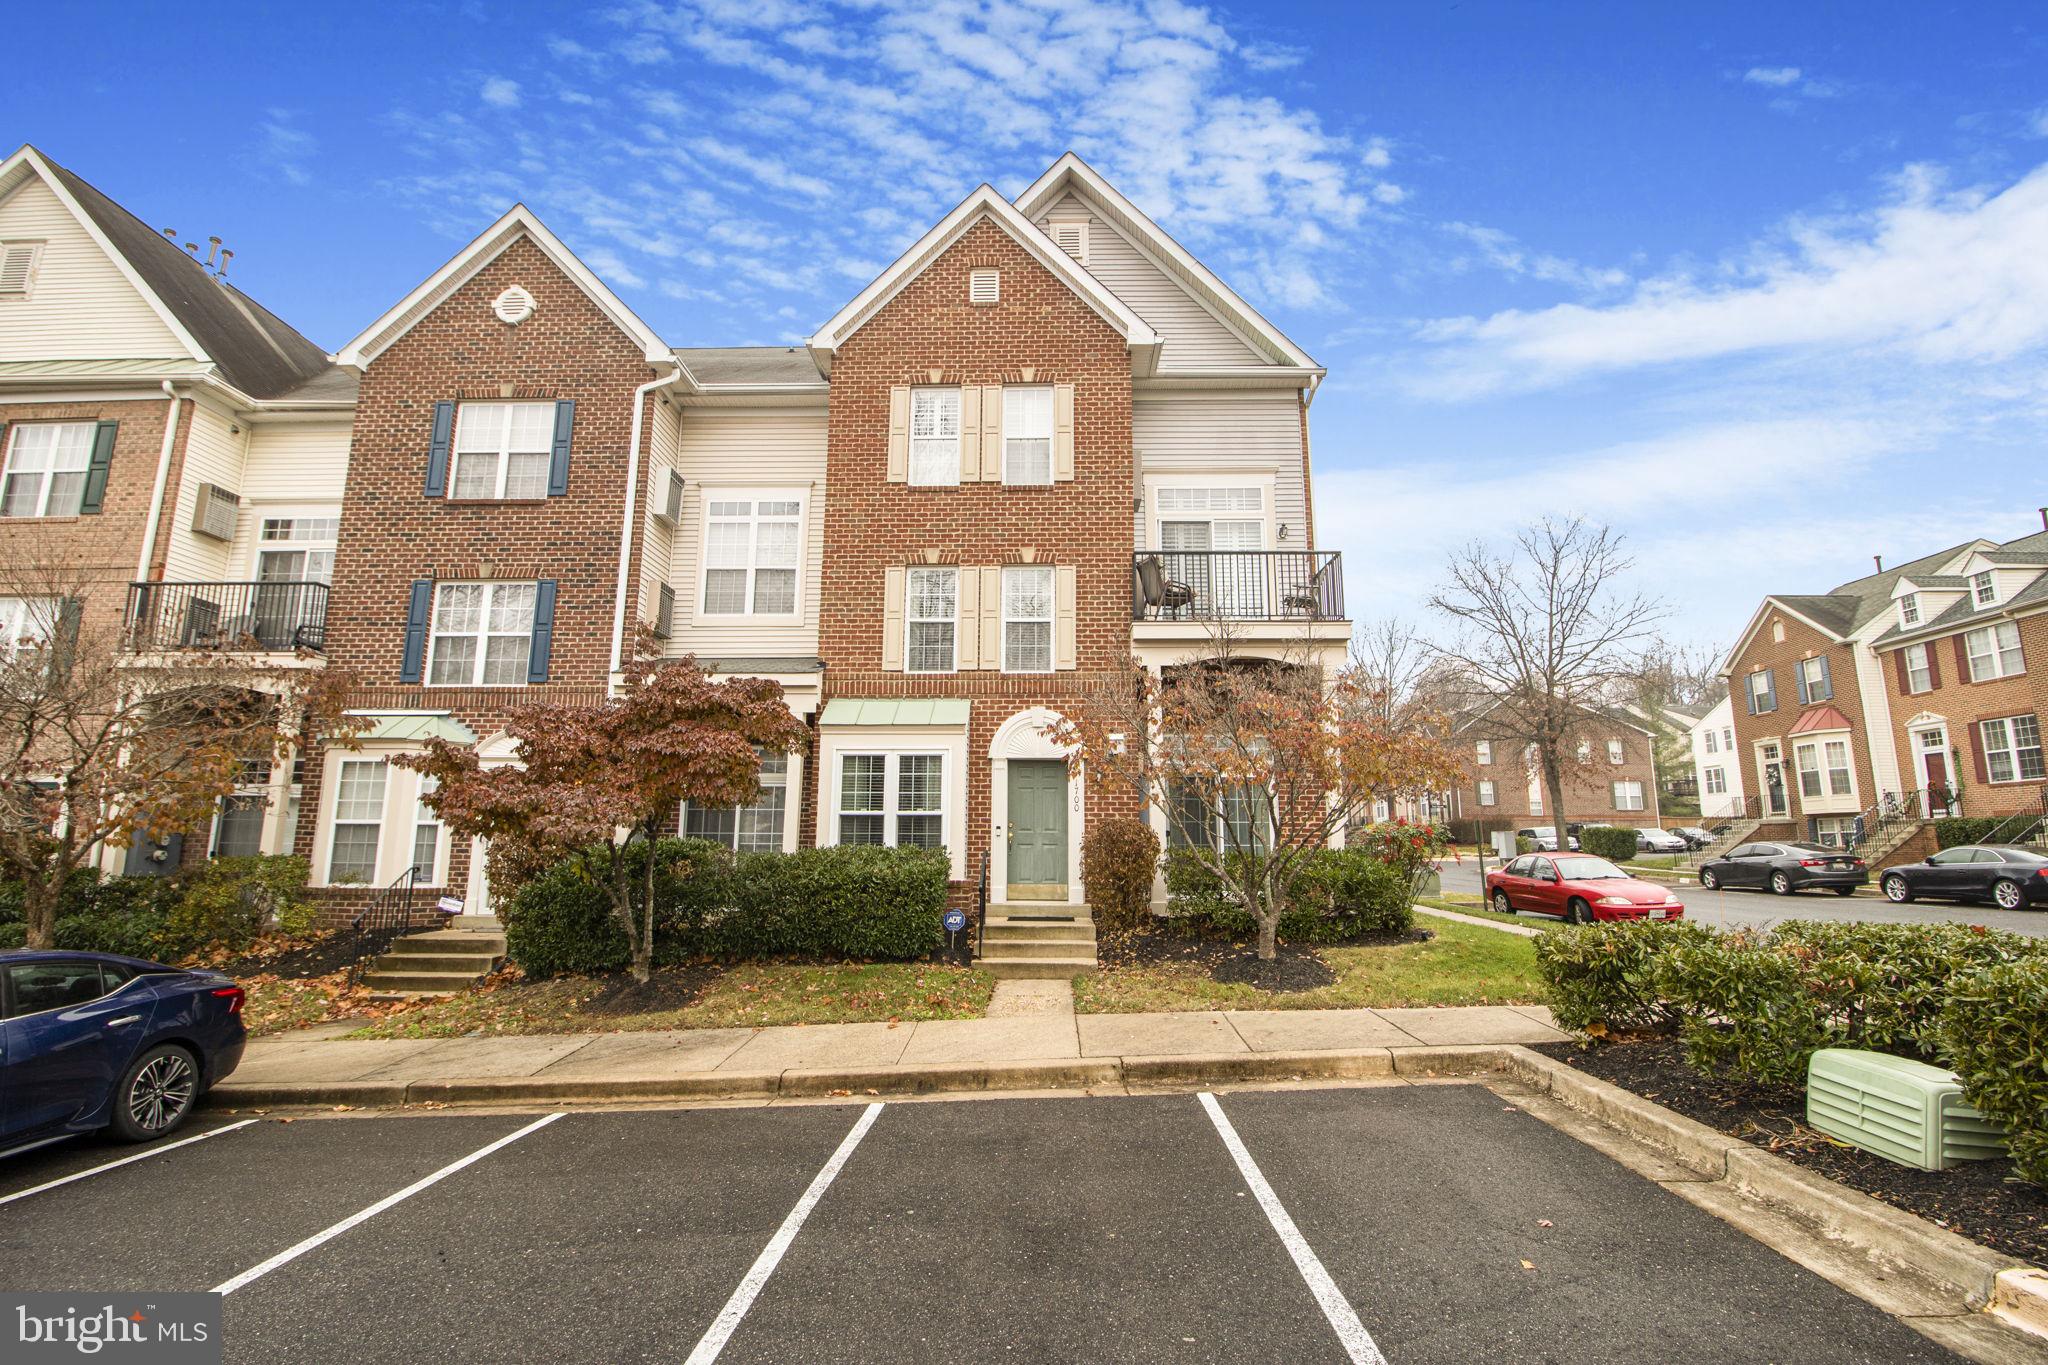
(1765, 286)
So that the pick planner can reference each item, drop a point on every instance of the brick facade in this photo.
(1960, 705)
(1765, 651)
(1588, 786)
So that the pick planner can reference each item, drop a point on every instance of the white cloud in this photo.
(1378, 154)
(1500, 251)
(285, 148)
(1775, 76)
(2037, 124)
(610, 267)
(501, 93)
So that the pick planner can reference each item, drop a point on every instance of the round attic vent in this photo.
(514, 306)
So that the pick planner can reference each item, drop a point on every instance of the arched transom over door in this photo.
(1037, 807)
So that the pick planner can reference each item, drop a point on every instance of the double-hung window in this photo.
(482, 634)
(1983, 588)
(1628, 795)
(1027, 434)
(1716, 781)
(1027, 618)
(2012, 749)
(1762, 697)
(1994, 651)
(26, 622)
(892, 799)
(1484, 750)
(1813, 676)
(1486, 796)
(1919, 677)
(1806, 757)
(751, 551)
(358, 820)
(47, 463)
(426, 835)
(1713, 745)
(753, 828)
(935, 437)
(1841, 782)
(1909, 610)
(1615, 752)
(502, 450)
(930, 620)
(238, 828)
(1584, 753)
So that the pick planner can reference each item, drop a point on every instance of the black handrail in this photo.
(1238, 585)
(385, 920)
(271, 617)
(981, 909)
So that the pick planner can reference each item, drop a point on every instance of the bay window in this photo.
(893, 799)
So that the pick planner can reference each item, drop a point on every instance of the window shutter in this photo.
(967, 630)
(1977, 750)
(543, 630)
(96, 473)
(1064, 632)
(1749, 694)
(892, 617)
(971, 444)
(1933, 667)
(1827, 679)
(437, 451)
(410, 666)
(992, 436)
(899, 448)
(1962, 660)
(1905, 674)
(1799, 682)
(558, 463)
(1062, 432)
(991, 615)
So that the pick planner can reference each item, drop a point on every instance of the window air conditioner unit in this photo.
(213, 514)
(669, 510)
(1903, 1110)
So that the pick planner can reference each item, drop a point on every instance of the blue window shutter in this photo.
(543, 630)
(1749, 694)
(437, 453)
(416, 630)
(1827, 680)
(96, 473)
(1799, 683)
(558, 466)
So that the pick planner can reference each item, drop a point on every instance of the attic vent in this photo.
(984, 286)
(213, 514)
(18, 268)
(668, 507)
(514, 306)
(1072, 238)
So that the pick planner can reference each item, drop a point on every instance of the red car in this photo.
(1578, 888)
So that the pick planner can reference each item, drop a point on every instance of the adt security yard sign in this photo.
(955, 921)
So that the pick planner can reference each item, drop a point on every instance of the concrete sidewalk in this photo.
(1022, 1051)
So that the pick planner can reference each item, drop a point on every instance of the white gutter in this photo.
(632, 509)
(156, 493)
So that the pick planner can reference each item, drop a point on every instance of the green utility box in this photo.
(1905, 1111)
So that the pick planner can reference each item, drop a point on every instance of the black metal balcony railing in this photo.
(272, 617)
(1237, 585)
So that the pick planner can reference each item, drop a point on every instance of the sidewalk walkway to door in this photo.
(1041, 1045)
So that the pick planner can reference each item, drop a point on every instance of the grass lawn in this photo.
(279, 1004)
(747, 995)
(1462, 965)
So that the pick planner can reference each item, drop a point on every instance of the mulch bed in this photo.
(1981, 1200)
(329, 953)
(669, 988)
(1236, 962)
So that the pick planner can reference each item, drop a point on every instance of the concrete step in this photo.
(1037, 968)
(381, 982)
(999, 909)
(474, 964)
(451, 941)
(1042, 947)
(1011, 931)
(475, 924)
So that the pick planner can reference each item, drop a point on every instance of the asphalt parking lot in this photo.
(1407, 1223)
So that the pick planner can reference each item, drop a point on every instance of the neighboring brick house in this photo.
(969, 499)
(1610, 776)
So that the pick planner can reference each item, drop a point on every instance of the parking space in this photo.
(1452, 1225)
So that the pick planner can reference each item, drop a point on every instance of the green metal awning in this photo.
(413, 728)
(879, 711)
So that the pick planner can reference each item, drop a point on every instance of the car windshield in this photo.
(1588, 870)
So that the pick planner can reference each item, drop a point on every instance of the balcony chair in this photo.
(1161, 593)
(1307, 598)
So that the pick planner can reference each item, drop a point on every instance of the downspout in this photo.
(156, 493)
(632, 511)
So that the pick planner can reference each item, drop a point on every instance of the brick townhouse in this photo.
(1610, 776)
(1893, 699)
(1044, 442)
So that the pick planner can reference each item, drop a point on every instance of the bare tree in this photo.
(1545, 636)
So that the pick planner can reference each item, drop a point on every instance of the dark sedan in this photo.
(1695, 837)
(2010, 878)
(1785, 868)
(92, 1040)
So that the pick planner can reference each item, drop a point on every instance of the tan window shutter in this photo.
(968, 631)
(1062, 432)
(970, 433)
(899, 441)
(892, 619)
(992, 436)
(992, 617)
(1064, 635)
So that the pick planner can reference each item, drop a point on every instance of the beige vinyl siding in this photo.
(658, 541)
(80, 307)
(298, 468)
(762, 448)
(1189, 433)
(215, 453)
(1192, 337)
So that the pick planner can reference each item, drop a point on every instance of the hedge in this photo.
(1602, 977)
(1959, 829)
(1119, 858)
(1339, 894)
(223, 903)
(1994, 1032)
(844, 901)
(1612, 842)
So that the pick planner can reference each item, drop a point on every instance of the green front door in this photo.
(1038, 829)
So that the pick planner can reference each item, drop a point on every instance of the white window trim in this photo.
(400, 816)
(1488, 794)
(503, 450)
(1483, 751)
(1814, 677)
(14, 430)
(1925, 682)
(1619, 788)
(792, 796)
(891, 813)
(1998, 651)
(910, 596)
(21, 614)
(755, 496)
(1714, 780)
(1051, 422)
(912, 438)
(1984, 588)
(1617, 752)
(258, 513)
(483, 636)
(1263, 480)
(1050, 619)
(2011, 749)
(1909, 609)
(835, 740)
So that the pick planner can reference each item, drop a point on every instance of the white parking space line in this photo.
(1358, 1343)
(126, 1160)
(290, 1254)
(742, 1299)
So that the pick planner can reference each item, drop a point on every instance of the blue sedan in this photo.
(91, 1040)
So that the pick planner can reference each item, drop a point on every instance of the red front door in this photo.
(1937, 784)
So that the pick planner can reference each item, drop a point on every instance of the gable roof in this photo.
(519, 221)
(1070, 172)
(985, 203)
(249, 347)
(749, 366)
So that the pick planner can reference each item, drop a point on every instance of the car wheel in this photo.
(156, 1094)
(1578, 912)
(1709, 879)
(2008, 894)
(1781, 884)
(1897, 891)
(1501, 904)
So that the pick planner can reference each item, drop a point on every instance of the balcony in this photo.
(1237, 585)
(228, 617)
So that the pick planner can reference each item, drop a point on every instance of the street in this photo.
(1412, 1224)
(1760, 909)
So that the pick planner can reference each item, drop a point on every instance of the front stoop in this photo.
(438, 962)
(1043, 941)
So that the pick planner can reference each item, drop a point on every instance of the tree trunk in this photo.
(643, 960)
(39, 912)
(1269, 928)
(1553, 788)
